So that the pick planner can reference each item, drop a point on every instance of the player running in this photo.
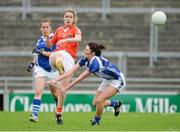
(42, 71)
(67, 39)
(113, 79)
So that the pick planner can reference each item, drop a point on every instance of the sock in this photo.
(36, 107)
(97, 119)
(114, 103)
(59, 110)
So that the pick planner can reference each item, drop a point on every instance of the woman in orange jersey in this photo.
(67, 39)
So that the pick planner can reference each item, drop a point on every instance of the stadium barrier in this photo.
(151, 102)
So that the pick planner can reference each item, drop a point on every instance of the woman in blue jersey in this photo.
(113, 80)
(43, 71)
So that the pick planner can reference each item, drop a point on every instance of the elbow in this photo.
(79, 39)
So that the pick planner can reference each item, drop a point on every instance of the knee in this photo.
(99, 101)
(52, 59)
(38, 93)
(94, 103)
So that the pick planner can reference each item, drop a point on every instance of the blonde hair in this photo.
(74, 14)
(45, 20)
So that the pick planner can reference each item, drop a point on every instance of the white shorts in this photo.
(40, 72)
(117, 84)
(68, 61)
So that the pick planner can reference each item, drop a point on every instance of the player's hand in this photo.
(62, 91)
(30, 66)
(38, 51)
(46, 33)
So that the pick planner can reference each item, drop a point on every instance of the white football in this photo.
(159, 18)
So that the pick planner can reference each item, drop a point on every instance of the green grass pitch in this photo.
(19, 121)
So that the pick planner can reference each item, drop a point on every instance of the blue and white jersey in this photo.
(42, 60)
(101, 67)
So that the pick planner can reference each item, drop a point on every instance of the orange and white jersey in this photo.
(62, 33)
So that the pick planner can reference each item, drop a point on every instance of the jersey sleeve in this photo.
(51, 35)
(54, 46)
(82, 61)
(78, 31)
(94, 66)
(39, 44)
(54, 38)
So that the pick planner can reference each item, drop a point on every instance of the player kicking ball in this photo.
(113, 79)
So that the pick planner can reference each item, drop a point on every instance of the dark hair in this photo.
(94, 47)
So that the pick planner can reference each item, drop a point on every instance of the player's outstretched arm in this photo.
(41, 52)
(83, 75)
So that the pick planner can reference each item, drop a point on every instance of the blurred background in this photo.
(148, 55)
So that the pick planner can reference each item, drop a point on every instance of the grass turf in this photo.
(19, 121)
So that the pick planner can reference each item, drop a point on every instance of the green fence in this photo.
(150, 103)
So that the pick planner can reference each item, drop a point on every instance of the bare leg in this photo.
(53, 90)
(39, 87)
(107, 102)
(56, 60)
(101, 100)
